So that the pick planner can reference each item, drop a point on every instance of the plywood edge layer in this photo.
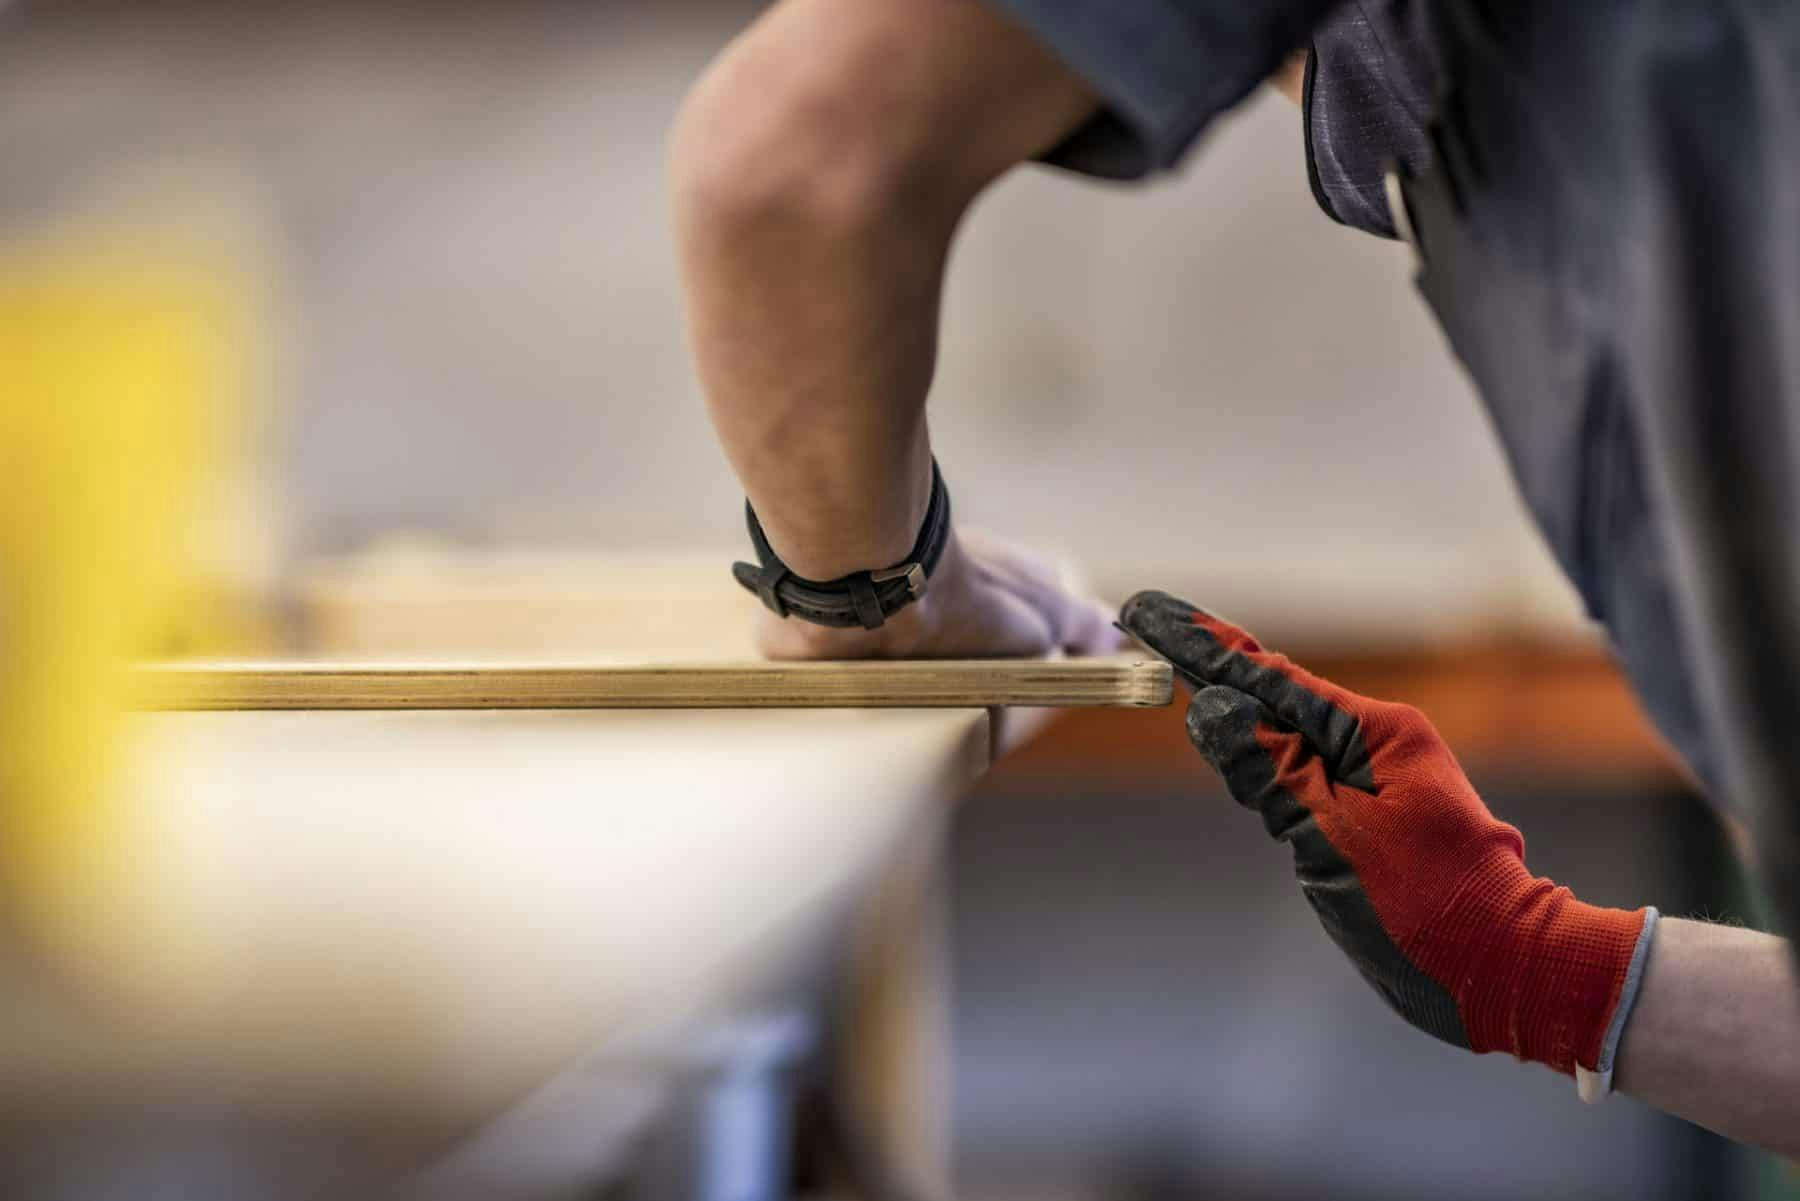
(960, 683)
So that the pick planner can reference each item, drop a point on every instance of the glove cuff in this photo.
(1591, 955)
(1595, 1084)
(1552, 981)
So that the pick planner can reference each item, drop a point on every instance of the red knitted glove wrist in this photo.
(1408, 871)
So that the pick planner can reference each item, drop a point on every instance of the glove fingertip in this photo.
(1221, 723)
(1152, 612)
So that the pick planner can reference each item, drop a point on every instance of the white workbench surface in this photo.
(437, 910)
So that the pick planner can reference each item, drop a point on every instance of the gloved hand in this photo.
(1412, 877)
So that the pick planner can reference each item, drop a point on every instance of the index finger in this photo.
(1207, 650)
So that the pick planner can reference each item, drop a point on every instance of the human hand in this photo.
(1411, 876)
(986, 600)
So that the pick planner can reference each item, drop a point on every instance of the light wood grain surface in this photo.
(979, 683)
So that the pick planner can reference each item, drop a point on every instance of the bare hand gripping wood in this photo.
(900, 684)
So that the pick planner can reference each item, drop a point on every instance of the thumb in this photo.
(1222, 723)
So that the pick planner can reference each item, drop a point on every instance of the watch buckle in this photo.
(911, 572)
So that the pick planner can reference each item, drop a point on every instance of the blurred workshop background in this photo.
(465, 422)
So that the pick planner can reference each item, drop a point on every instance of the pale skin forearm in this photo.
(812, 319)
(821, 169)
(1715, 1034)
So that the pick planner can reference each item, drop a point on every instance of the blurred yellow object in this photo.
(122, 363)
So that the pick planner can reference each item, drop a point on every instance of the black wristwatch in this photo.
(862, 598)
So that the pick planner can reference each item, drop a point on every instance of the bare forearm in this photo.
(814, 333)
(816, 354)
(821, 169)
(1715, 1035)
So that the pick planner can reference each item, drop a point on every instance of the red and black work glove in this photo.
(1408, 871)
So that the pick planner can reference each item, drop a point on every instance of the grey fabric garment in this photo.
(1164, 68)
(1374, 81)
(1610, 236)
(1607, 196)
(1543, 221)
(1371, 84)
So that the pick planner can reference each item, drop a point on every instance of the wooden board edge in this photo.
(1110, 682)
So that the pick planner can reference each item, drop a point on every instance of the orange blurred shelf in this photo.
(1522, 708)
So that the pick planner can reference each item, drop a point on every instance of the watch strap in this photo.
(862, 598)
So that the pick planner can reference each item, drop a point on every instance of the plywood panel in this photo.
(980, 683)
